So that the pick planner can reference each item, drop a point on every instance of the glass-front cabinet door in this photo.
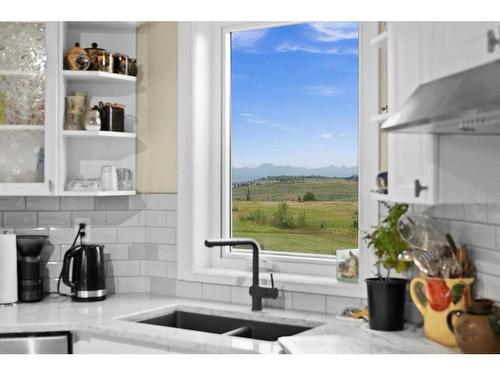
(28, 67)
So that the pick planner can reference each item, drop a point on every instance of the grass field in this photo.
(321, 226)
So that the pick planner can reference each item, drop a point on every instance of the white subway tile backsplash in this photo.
(77, 203)
(167, 201)
(337, 304)
(162, 235)
(165, 287)
(132, 284)
(42, 203)
(172, 219)
(123, 218)
(309, 302)
(214, 292)
(19, 219)
(112, 203)
(96, 218)
(284, 301)
(54, 219)
(240, 295)
(131, 235)
(137, 202)
(12, 203)
(116, 252)
(476, 212)
(171, 270)
(51, 270)
(62, 235)
(155, 218)
(137, 251)
(154, 268)
(486, 261)
(188, 289)
(482, 235)
(51, 252)
(167, 252)
(493, 287)
(123, 268)
(103, 235)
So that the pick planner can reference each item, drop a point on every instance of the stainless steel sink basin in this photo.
(226, 326)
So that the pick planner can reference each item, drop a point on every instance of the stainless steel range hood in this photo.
(464, 103)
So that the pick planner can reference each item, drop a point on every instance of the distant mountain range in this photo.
(266, 170)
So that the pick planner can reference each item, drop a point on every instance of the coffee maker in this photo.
(30, 281)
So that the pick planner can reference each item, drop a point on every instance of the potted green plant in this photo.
(386, 294)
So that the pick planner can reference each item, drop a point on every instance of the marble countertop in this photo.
(116, 318)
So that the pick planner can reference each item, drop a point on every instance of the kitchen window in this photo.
(251, 94)
(292, 129)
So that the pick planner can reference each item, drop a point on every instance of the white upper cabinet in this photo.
(28, 69)
(39, 154)
(411, 157)
(429, 168)
(458, 46)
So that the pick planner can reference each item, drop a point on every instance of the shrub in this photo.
(255, 216)
(283, 218)
(309, 197)
(302, 219)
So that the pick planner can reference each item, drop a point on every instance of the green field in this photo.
(320, 226)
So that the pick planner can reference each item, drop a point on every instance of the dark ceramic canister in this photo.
(477, 330)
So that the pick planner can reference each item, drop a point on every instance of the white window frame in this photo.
(202, 196)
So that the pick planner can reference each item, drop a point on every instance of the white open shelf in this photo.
(380, 40)
(97, 134)
(97, 77)
(379, 118)
(98, 193)
(22, 127)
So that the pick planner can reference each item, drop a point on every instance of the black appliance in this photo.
(87, 279)
(30, 281)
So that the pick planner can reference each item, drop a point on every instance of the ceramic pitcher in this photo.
(441, 297)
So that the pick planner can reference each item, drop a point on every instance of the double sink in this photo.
(216, 323)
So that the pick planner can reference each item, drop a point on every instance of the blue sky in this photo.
(295, 95)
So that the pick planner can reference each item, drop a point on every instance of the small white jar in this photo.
(109, 178)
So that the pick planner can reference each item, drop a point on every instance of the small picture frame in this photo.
(348, 265)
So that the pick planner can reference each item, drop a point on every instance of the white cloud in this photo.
(321, 90)
(247, 40)
(292, 47)
(335, 31)
(326, 135)
(254, 119)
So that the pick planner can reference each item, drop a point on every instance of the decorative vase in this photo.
(386, 303)
(478, 330)
(442, 296)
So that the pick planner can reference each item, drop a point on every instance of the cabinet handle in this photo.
(419, 188)
(51, 186)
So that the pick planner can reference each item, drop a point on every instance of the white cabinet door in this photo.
(411, 157)
(457, 46)
(28, 74)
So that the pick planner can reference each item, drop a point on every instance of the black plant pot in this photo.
(386, 303)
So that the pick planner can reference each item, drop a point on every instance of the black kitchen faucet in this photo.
(257, 292)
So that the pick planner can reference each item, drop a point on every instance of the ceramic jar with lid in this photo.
(477, 330)
(76, 58)
(100, 59)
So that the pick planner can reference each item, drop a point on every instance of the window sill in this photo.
(286, 281)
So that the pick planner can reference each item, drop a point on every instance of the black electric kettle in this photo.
(87, 281)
